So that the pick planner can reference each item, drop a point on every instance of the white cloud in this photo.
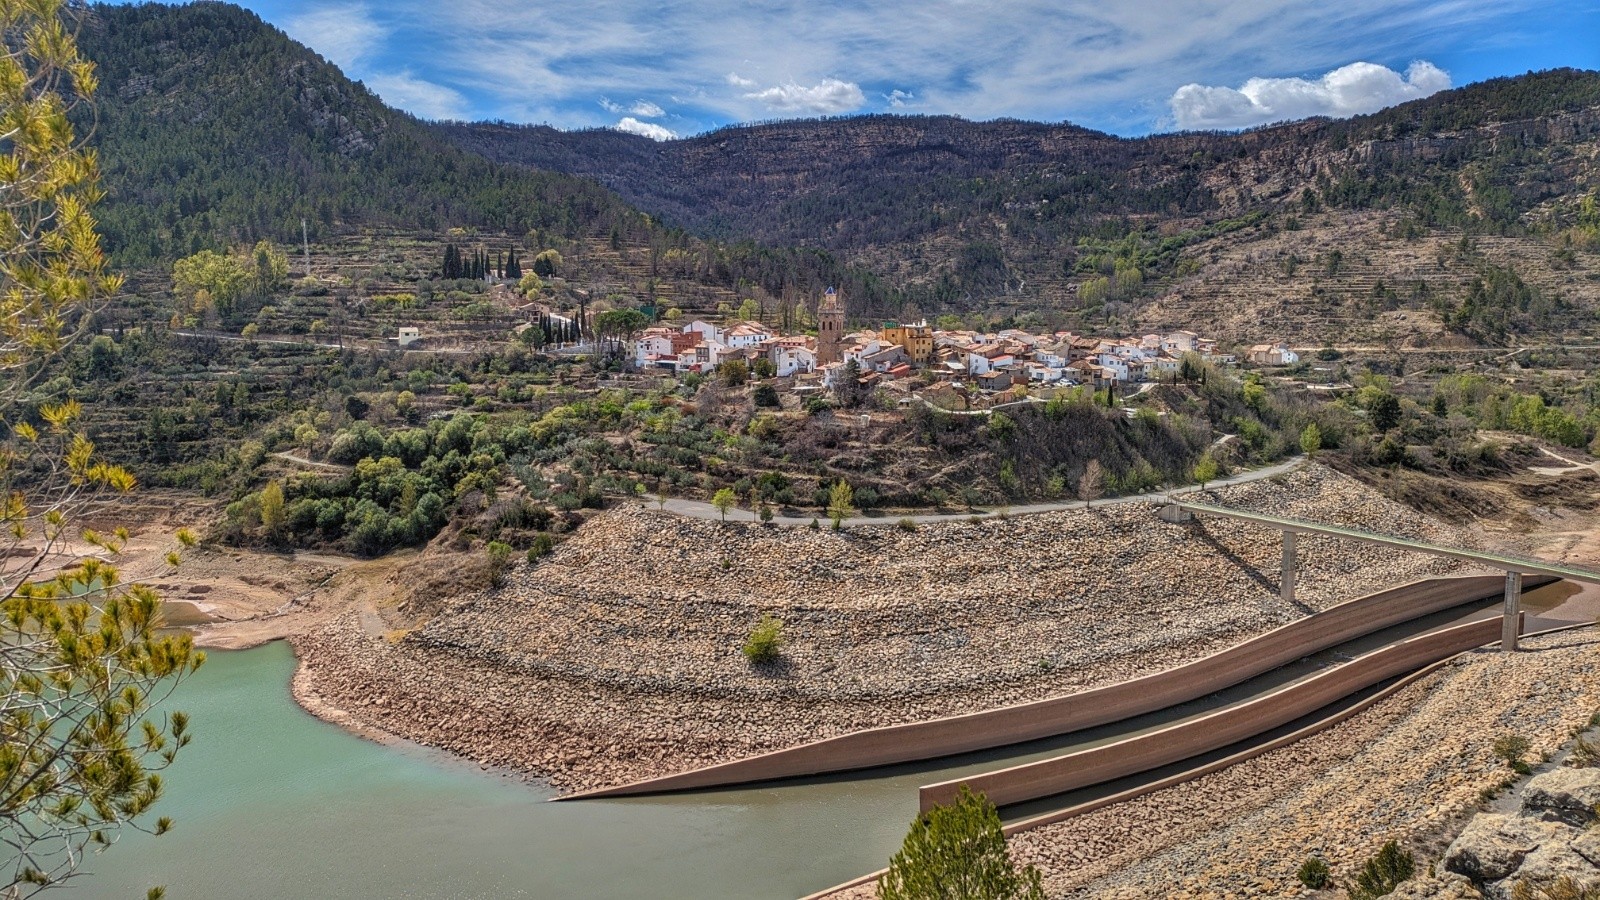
(1357, 88)
(830, 96)
(898, 98)
(644, 129)
(418, 97)
(344, 35)
(643, 109)
(1114, 65)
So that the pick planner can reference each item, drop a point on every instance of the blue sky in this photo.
(674, 68)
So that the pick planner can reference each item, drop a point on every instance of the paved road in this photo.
(696, 509)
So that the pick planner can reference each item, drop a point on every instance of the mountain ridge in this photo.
(216, 129)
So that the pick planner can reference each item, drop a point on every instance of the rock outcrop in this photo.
(1548, 840)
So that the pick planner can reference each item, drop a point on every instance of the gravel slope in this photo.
(1410, 768)
(618, 657)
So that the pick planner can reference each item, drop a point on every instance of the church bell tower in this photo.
(830, 327)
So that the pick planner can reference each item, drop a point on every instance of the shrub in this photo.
(958, 851)
(765, 642)
(906, 524)
(1313, 873)
(499, 562)
(1383, 873)
(1511, 748)
(543, 543)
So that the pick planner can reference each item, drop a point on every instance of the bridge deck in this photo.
(1492, 560)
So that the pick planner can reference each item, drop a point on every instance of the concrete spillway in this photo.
(1054, 716)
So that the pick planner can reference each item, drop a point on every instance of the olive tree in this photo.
(83, 666)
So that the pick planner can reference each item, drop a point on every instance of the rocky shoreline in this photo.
(618, 657)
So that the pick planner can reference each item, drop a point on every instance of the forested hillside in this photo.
(1023, 215)
(1461, 217)
(215, 129)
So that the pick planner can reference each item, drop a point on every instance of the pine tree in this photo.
(958, 851)
(84, 740)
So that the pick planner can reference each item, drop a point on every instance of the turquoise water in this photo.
(271, 802)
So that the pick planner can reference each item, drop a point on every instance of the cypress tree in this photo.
(499, 264)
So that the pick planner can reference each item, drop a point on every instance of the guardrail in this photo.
(948, 736)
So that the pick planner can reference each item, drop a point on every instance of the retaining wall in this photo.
(1216, 730)
(1006, 725)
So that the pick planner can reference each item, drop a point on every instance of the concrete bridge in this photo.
(1514, 566)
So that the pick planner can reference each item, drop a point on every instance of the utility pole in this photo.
(305, 241)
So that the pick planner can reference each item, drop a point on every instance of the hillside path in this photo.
(698, 509)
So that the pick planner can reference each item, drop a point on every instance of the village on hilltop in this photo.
(965, 368)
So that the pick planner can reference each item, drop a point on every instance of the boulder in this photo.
(1555, 860)
(1440, 886)
(1492, 846)
(1566, 795)
(1587, 845)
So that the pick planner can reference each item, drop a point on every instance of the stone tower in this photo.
(830, 327)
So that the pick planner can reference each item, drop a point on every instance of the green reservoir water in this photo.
(270, 802)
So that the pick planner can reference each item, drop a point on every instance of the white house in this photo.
(1115, 366)
(886, 357)
(1053, 356)
(706, 331)
(746, 335)
(1273, 355)
(655, 343)
(790, 356)
(1040, 373)
(409, 334)
(1177, 343)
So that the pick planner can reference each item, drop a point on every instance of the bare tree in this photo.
(1092, 486)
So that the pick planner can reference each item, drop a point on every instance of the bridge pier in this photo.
(1512, 612)
(1286, 579)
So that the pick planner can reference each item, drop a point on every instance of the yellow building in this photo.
(916, 339)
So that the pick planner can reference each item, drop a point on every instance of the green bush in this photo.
(1313, 873)
(1383, 873)
(765, 642)
(543, 543)
(1511, 748)
(499, 562)
(958, 851)
(907, 524)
